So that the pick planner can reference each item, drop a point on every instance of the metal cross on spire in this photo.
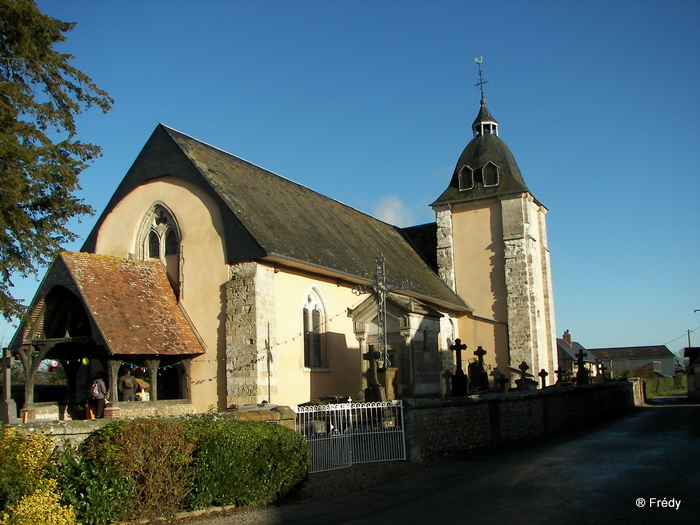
(481, 82)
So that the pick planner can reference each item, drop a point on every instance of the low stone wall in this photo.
(52, 411)
(440, 427)
(75, 431)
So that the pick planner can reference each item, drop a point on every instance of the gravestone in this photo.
(447, 376)
(581, 373)
(478, 377)
(460, 383)
(499, 381)
(563, 377)
(374, 391)
(600, 377)
(543, 375)
(525, 383)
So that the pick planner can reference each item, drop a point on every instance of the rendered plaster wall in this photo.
(440, 427)
(201, 243)
(342, 374)
(475, 232)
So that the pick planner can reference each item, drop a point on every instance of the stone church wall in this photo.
(249, 311)
(441, 427)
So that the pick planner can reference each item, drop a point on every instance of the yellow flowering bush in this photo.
(42, 507)
(28, 496)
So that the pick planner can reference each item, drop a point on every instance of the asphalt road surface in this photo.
(643, 468)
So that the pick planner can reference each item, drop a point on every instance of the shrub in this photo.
(24, 459)
(28, 495)
(246, 463)
(156, 454)
(41, 507)
(96, 494)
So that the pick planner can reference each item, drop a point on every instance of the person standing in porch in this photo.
(98, 393)
(128, 386)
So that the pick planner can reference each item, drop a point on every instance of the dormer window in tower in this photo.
(466, 178)
(490, 174)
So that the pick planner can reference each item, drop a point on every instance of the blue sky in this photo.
(371, 102)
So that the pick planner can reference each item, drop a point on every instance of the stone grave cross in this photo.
(543, 374)
(480, 379)
(560, 374)
(602, 368)
(581, 373)
(480, 353)
(374, 391)
(460, 386)
(524, 367)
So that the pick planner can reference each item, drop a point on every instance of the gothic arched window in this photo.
(159, 239)
(314, 321)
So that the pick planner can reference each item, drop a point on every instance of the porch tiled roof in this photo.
(132, 305)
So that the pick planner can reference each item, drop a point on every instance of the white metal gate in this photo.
(346, 433)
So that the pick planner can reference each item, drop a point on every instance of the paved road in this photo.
(651, 457)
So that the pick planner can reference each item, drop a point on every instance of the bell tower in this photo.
(492, 250)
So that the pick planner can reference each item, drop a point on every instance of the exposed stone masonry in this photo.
(445, 247)
(250, 374)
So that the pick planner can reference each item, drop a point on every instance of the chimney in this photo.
(567, 338)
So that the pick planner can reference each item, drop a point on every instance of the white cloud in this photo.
(392, 210)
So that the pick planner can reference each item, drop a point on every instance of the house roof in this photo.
(130, 303)
(572, 349)
(272, 218)
(632, 352)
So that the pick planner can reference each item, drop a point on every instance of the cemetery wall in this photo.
(75, 431)
(441, 427)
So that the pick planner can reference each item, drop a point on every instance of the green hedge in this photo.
(150, 468)
(665, 384)
(246, 463)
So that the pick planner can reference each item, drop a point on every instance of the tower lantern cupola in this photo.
(485, 123)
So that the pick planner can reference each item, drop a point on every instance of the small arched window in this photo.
(172, 245)
(153, 245)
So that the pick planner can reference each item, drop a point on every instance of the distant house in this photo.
(693, 371)
(567, 351)
(635, 357)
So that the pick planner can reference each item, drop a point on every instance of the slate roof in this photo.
(269, 217)
(130, 303)
(481, 150)
(484, 115)
(632, 352)
(573, 349)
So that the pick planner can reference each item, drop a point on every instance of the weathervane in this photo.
(481, 82)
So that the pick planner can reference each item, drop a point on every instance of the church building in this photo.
(220, 283)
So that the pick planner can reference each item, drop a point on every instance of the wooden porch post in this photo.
(185, 383)
(152, 367)
(113, 368)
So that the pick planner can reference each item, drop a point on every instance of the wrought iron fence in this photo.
(346, 433)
